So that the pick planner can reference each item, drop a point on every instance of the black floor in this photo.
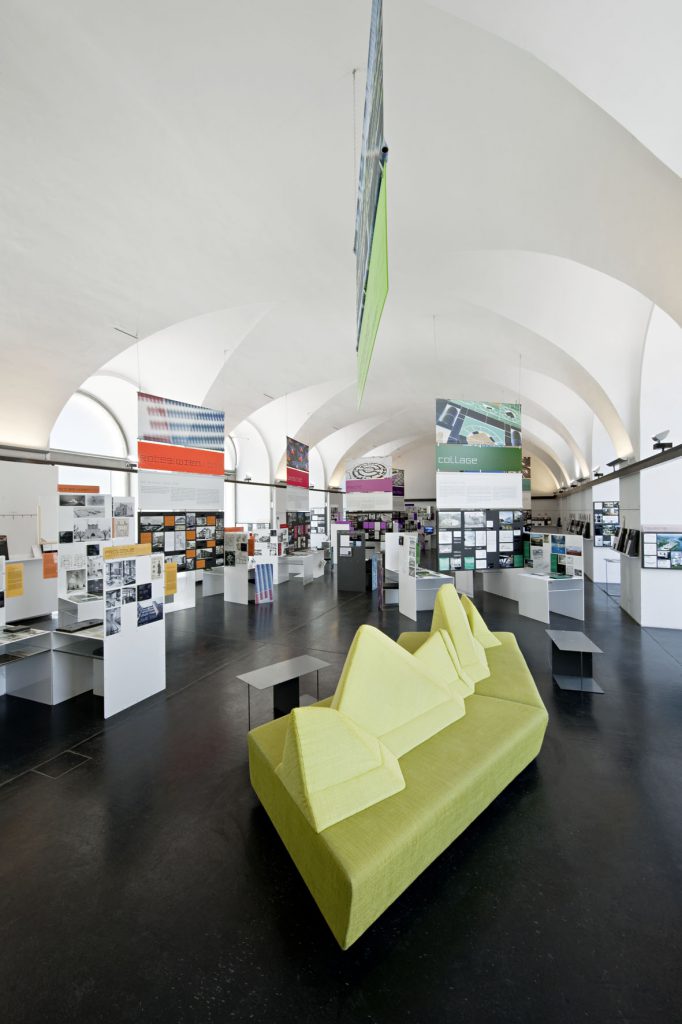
(141, 881)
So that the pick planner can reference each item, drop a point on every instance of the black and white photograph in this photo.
(91, 529)
(124, 507)
(150, 611)
(71, 500)
(66, 537)
(92, 550)
(113, 621)
(128, 595)
(230, 558)
(157, 542)
(95, 500)
(180, 521)
(191, 520)
(113, 572)
(113, 598)
(75, 581)
(129, 572)
(122, 528)
(144, 591)
(95, 567)
(157, 567)
(474, 520)
(96, 587)
(88, 513)
(151, 524)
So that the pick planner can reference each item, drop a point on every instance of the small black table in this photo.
(572, 660)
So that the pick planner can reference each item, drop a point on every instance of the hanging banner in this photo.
(370, 244)
(175, 459)
(450, 458)
(165, 421)
(490, 424)
(298, 466)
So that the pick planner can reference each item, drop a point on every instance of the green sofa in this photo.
(358, 866)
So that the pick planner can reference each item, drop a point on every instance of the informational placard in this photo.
(606, 523)
(478, 490)
(191, 540)
(298, 525)
(480, 539)
(50, 565)
(14, 579)
(170, 579)
(662, 550)
(134, 634)
(557, 554)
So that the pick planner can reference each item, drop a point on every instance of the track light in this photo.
(660, 443)
(596, 472)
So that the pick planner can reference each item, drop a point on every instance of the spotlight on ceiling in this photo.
(615, 463)
(596, 472)
(660, 443)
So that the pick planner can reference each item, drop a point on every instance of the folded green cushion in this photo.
(387, 692)
(449, 614)
(332, 768)
(439, 657)
(477, 624)
(510, 677)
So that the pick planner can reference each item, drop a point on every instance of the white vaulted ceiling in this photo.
(185, 173)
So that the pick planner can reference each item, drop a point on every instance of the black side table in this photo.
(572, 660)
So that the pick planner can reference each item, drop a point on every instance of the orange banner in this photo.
(77, 489)
(50, 565)
(175, 459)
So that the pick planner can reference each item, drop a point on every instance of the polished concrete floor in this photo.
(143, 882)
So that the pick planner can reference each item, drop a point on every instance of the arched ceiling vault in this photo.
(150, 189)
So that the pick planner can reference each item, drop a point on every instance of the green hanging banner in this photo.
(477, 459)
(377, 290)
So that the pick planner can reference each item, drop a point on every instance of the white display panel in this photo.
(479, 490)
(179, 492)
(134, 631)
(407, 593)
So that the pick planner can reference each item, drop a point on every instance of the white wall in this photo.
(419, 464)
(21, 486)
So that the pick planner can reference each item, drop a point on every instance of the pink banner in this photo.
(369, 486)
